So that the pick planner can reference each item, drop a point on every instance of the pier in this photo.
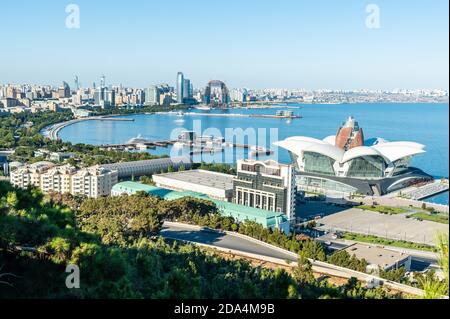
(270, 116)
(195, 147)
(426, 190)
(140, 145)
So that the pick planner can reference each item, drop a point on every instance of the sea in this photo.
(423, 123)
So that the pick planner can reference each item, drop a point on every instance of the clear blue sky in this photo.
(247, 43)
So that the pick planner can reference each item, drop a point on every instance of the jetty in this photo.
(426, 190)
(270, 116)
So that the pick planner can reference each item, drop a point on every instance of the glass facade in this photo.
(315, 183)
(401, 166)
(318, 163)
(180, 87)
(367, 166)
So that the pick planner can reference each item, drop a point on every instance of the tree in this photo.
(12, 200)
(433, 287)
(303, 273)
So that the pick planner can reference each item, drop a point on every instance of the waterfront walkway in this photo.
(427, 190)
(52, 132)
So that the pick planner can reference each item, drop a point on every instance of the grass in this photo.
(431, 217)
(383, 209)
(387, 242)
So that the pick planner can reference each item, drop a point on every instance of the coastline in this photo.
(52, 131)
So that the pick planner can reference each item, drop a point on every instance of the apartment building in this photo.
(94, 181)
(29, 175)
(57, 179)
(91, 182)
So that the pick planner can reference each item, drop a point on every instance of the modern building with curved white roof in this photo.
(347, 163)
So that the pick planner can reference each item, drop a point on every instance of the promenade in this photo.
(52, 132)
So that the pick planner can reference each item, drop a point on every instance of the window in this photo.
(318, 163)
(366, 166)
(401, 165)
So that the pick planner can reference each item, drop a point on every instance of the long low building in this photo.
(240, 213)
(215, 185)
(379, 257)
(148, 167)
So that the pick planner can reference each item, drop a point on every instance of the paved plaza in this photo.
(388, 226)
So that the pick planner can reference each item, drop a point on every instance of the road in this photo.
(256, 249)
(223, 240)
(230, 241)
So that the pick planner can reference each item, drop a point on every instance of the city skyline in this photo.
(296, 44)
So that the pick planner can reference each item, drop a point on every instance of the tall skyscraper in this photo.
(152, 95)
(64, 91)
(180, 87)
(187, 89)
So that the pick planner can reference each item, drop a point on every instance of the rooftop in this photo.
(202, 177)
(227, 208)
(375, 255)
(157, 161)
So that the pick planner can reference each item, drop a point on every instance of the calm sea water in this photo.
(423, 123)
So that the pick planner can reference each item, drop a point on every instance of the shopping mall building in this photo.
(346, 163)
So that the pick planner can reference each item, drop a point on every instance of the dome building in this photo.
(345, 163)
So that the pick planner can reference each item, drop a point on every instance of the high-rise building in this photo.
(180, 87)
(266, 185)
(64, 91)
(152, 95)
(238, 95)
(187, 89)
(104, 97)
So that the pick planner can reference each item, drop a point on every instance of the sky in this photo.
(312, 44)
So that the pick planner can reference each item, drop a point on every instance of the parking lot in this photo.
(389, 226)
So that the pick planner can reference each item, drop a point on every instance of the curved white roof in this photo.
(401, 144)
(327, 150)
(330, 139)
(299, 146)
(360, 151)
(398, 152)
(390, 151)
(305, 139)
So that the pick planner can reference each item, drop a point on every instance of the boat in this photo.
(203, 108)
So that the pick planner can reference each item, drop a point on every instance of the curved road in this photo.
(254, 247)
(223, 240)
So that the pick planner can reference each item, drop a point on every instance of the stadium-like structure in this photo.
(347, 163)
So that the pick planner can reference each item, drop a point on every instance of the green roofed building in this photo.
(240, 213)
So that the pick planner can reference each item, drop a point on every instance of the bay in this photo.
(423, 123)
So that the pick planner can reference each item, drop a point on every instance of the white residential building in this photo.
(57, 179)
(94, 182)
(91, 182)
(29, 175)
